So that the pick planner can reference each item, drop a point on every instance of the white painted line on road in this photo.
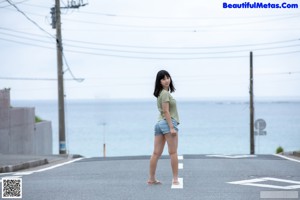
(291, 159)
(279, 195)
(255, 182)
(232, 156)
(58, 165)
(180, 165)
(180, 186)
(22, 173)
(7, 173)
(19, 174)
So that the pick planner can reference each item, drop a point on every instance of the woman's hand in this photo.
(173, 131)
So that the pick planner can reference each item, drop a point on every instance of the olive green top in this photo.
(164, 97)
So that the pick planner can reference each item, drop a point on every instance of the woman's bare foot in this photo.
(153, 182)
(175, 182)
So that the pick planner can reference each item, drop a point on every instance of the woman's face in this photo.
(165, 82)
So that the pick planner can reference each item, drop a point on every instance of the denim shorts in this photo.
(162, 127)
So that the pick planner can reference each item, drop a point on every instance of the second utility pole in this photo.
(60, 78)
(252, 145)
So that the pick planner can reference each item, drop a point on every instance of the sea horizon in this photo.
(207, 126)
(202, 99)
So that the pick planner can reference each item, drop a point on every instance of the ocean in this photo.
(207, 127)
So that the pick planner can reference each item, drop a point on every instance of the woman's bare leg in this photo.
(159, 143)
(172, 141)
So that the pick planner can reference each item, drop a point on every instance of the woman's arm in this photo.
(165, 107)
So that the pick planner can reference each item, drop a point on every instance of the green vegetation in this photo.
(38, 119)
(279, 150)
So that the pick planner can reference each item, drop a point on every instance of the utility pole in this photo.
(56, 24)
(252, 145)
(60, 78)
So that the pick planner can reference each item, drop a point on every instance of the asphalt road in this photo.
(204, 177)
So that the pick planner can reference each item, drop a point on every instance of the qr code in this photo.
(11, 187)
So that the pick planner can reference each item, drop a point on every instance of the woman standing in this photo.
(166, 128)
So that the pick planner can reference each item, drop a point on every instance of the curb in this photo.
(34, 163)
(26, 165)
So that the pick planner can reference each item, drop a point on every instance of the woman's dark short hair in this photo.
(158, 87)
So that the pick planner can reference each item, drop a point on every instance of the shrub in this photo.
(279, 150)
(38, 119)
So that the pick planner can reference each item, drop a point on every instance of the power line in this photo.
(165, 47)
(26, 33)
(33, 79)
(32, 21)
(180, 18)
(182, 53)
(195, 27)
(279, 73)
(157, 58)
(180, 78)
(167, 18)
(69, 69)
(25, 43)
(180, 47)
(26, 38)
(21, 2)
(176, 58)
(37, 6)
(28, 18)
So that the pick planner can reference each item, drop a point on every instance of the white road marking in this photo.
(255, 182)
(279, 195)
(282, 156)
(7, 173)
(180, 165)
(22, 173)
(180, 157)
(180, 186)
(58, 165)
(232, 156)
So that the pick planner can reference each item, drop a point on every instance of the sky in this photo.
(118, 46)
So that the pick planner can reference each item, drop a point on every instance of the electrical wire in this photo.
(166, 18)
(195, 27)
(70, 71)
(24, 37)
(157, 58)
(182, 53)
(68, 67)
(21, 2)
(165, 47)
(180, 18)
(32, 79)
(176, 58)
(29, 19)
(25, 43)
(186, 47)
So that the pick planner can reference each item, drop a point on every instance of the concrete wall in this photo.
(43, 138)
(4, 119)
(19, 134)
(21, 131)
